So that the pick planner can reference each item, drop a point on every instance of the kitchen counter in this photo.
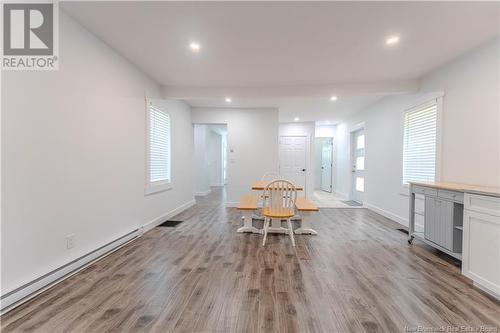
(465, 188)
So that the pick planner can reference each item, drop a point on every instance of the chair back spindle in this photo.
(280, 196)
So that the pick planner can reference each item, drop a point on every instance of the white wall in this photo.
(471, 119)
(303, 129)
(252, 136)
(325, 131)
(73, 156)
(470, 132)
(318, 146)
(214, 143)
(200, 160)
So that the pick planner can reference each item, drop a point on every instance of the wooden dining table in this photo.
(260, 185)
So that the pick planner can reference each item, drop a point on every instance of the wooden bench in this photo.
(305, 208)
(248, 205)
(248, 202)
(305, 205)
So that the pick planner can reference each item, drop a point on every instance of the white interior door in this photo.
(358, 167)
(292, 157)
(326, 164)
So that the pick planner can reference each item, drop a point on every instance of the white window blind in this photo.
(159, 146)
(420, 135)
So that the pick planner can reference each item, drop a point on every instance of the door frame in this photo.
(307, 158)
(352, 148)
(331, 169)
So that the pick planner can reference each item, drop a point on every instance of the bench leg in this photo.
(305, 227)
(247, 223)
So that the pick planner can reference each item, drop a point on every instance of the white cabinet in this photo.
(439, 222)
(481, 241)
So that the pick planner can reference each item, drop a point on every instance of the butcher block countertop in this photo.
(466, 188)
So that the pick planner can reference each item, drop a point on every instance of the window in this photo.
(360, 142)
(420, 143)
(360, 184)
(360, 163)
(158, 169)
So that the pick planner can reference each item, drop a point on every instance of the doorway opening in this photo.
(210, 157)
(293, 160)
(323, 159)
(324, 195)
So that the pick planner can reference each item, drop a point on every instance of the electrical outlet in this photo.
(70, 241)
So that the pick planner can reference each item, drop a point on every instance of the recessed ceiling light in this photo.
(333, 98)
(296, 119)
(228, 100)
(195, 46)
(392, 40)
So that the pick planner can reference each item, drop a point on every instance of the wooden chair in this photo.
(267, 177)
(279, 203)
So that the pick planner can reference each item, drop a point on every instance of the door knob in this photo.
(303, 169)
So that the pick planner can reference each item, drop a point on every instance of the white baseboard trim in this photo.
(202, 193)
(389, 215)
(31, 289)
(486, 290)
(162, 218)
(232, 204)
(16, 297)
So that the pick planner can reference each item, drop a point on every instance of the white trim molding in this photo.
(232, 204)
(202, 193)
(16, 297)
(357, 127)
(152, 187)
(423, 99)
(162, 218)
(401, 220)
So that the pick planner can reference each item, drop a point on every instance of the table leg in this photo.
(411, 217)
(258, 215)
(247, 223)
(276, 227)
(305, 226)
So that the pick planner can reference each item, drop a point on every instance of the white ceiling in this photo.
(264, 45)
(306, 108)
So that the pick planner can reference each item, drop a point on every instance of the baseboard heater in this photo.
(31, 289)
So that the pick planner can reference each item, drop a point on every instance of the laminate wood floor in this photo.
(358, 275)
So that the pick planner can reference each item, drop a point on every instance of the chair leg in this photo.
(266, 225)
(290, 230)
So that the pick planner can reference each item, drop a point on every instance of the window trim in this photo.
(161, 185)
(427, 98)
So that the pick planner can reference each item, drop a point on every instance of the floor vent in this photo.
(403, 230)
(170, 223)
